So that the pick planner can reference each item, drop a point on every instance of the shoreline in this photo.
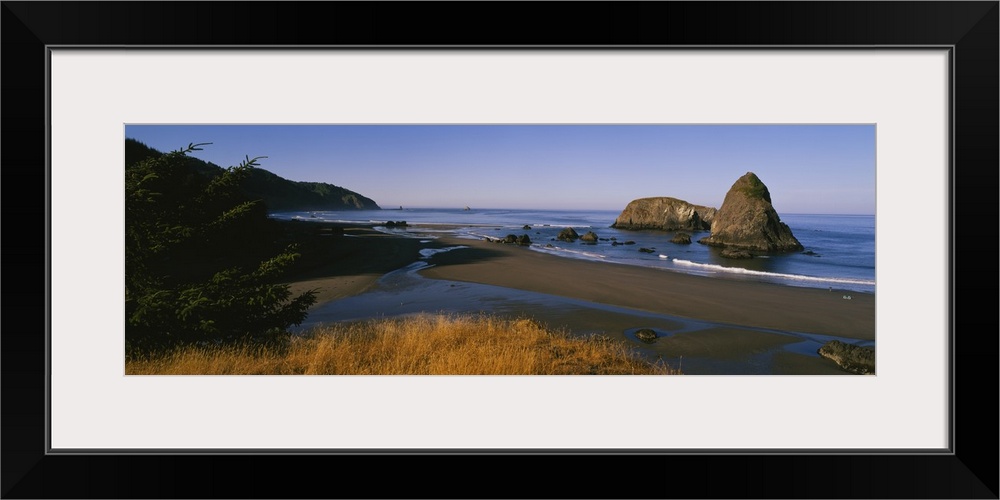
(718, 300)
(343, 260)
(738, 324)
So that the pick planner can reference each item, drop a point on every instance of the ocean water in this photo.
(839, 249)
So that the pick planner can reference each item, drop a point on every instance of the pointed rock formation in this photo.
(668, 214)
(568, 234)
(747, 221)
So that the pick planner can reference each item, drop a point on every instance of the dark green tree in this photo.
(202, 262)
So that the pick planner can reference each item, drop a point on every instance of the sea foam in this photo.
(796, 277)
(568, 252)
(426, 253)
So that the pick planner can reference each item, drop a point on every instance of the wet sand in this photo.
(744, 303)
(346, 260)
(733, 318)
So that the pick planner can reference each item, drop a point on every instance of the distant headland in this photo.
(277, 192)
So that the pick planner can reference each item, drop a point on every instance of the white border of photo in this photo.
(905, 93)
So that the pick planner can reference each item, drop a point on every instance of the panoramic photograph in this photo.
(585, 249)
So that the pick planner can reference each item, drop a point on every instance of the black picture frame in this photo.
(970, 28)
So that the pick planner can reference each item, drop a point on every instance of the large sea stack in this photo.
(668, 214)
(747, 221)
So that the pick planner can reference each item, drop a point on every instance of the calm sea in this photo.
(839, 249)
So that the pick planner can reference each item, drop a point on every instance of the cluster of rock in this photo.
(570, 235)
(511, 239)
(746, 222)
(855, 359)
(393, 223)
(591, 238)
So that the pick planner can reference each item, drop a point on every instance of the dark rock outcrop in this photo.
(568, 234)
(590, 237)
(736, 253)
(646, 335)
(855, 359)
(646, 250)
(681, 239)
(747, 221)
(668, 214)
(512, 239)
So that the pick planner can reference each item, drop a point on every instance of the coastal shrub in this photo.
(201, 260)
(426, 344)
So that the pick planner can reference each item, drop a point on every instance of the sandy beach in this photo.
(737, 319)
(743, 303)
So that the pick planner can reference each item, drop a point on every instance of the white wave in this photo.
(572, 253)
(481, 235)
(428, 252)
(796, 277)
(662, 256)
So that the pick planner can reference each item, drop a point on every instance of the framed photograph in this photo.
(859, 136)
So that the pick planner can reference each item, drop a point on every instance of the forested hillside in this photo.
(277, 192)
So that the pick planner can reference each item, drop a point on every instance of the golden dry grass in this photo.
(419, 345)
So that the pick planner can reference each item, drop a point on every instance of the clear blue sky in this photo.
(807, 168)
